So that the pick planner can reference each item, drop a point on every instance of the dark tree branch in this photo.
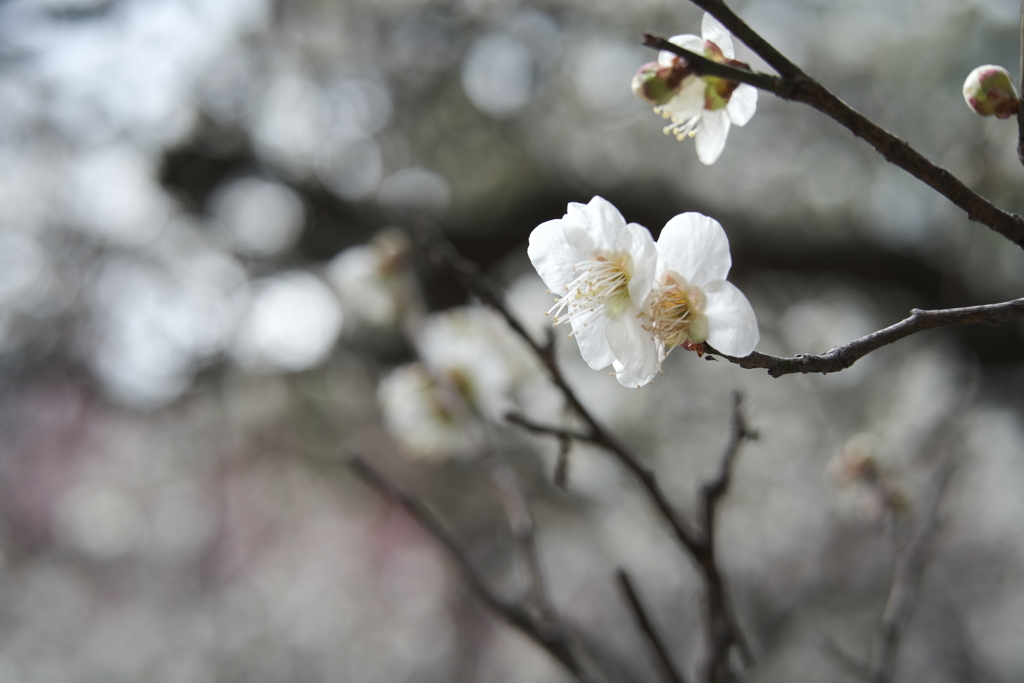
(842, 357)
(667, 666)
(761, 47)
(723, 629)
(703, 66)
(522, 421)
(715, 490)
(796, 86)
(547, 635)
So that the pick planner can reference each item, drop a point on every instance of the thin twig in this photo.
(537, 428)
(668, 667)
(561, 475)
(523, 531)
(548, 636)
(796, 86)
(906, 580)
(842, 357)
(723, 629)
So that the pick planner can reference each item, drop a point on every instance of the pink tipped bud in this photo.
(657, 84)
(989, 90)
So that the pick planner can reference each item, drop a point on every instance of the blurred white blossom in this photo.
(427, 418)
(471, 367)
(372, 279)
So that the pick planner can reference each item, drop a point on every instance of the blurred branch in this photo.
(523, 527)
(668, 667)
(911, 560)
(537, 428)
(561, 475)
(842, 357)
(906, 580)
(796, 86)
(549, 635)
(1020, 72)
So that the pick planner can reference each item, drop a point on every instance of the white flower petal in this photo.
(732, 325)
(644, 254)
(742, 104)
(694, 246)
(601, 221)
(688, 102)
(627, 378)
(690, 42)
(631, 344)
(553, 256)
(713, 30)
(714, 129)
(593, 345)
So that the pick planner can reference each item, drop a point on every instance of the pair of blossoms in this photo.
(629, 300)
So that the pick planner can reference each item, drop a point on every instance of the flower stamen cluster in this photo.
(676, 314)
(601, 287)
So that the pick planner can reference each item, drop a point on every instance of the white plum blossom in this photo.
(471, 365)
(474, 350)
(428, 418)
(691, 302)
(705, 107)
(373, 279)
(602, 271)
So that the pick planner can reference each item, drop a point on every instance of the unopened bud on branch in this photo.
(657, 84)
(989, 90)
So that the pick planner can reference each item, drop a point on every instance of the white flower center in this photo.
(601, 287)
(677, 313)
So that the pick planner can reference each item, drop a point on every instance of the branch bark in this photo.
(842, 357)
(906, 580)
(797, 86)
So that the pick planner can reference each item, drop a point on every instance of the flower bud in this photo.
(989, 90)
(657, 84)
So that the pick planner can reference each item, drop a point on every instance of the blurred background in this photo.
(203, 283)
